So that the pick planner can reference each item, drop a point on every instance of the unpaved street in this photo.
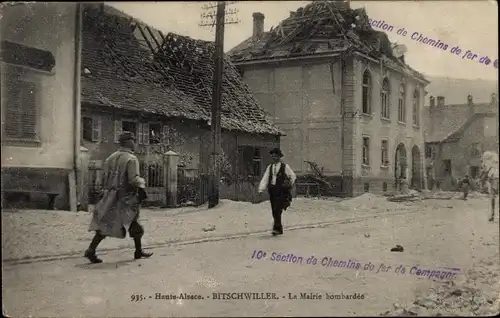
(444, 234)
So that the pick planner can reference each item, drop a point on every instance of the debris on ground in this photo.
(209, 229)
(476, 295)
(398, 248)
(404, 198)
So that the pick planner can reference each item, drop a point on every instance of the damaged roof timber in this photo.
(321, 28)
(132, 66)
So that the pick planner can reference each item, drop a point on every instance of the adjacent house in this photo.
(40, 102)
(345, 100)
(136, 78)
(456, 136)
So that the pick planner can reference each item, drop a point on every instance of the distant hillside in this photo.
(455, 90)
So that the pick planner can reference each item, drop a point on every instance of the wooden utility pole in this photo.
(213, 197)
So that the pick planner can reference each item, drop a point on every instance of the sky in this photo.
(470, 25)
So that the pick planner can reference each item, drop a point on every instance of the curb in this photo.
(73, 255)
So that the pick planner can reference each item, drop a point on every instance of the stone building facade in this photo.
(456, 136)
(347, 104)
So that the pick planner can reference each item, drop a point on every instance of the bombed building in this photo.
(348, 102)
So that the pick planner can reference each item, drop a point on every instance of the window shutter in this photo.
(29, 111)
(13, 110)
(145, 134)
(165, 136)
(21, 111)
(139, 134)
(118, 130)
(96, 128)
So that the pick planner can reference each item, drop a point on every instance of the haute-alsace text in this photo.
(160, 296)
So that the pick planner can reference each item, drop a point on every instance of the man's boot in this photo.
(90, 252)
(139, 253)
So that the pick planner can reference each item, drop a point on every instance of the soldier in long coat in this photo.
(118, 209)
(278, 179)
(490, 178)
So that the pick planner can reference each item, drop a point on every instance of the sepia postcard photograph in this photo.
(250, 158)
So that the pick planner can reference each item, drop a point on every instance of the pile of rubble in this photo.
(477, 295)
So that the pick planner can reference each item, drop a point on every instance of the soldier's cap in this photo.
(276, 151)
(126, 136)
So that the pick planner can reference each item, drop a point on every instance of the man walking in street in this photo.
(278, 179)
(465, 186)
(118, 209)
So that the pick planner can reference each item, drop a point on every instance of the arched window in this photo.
(416, 108)
(367, 93)
(386, 99)
(402, 104)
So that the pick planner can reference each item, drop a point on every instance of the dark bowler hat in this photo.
(276, 151)
(126, 136)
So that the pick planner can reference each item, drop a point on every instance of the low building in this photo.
(40, 101)
(345, 99)
(456, 136)
(159, 86)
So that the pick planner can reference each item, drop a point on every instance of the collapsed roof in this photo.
(168, 75)
(322, 27)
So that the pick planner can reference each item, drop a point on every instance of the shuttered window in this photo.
(143, 137)
(91, 128)
(165, 135)
(21, 111)
(118, 130)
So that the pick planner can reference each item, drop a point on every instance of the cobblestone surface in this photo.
(452, 233)
(36, 233)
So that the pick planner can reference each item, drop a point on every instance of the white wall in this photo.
(51, 27)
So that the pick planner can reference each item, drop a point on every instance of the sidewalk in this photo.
(37, 233)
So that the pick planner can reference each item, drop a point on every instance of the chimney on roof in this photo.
(494, 99)
(440, 101)
(470, 101)
(432, 102)
(258, 25)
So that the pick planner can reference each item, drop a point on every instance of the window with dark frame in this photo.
(385, 152)
(155, 133)
(474, 172)
(402, 104)
(416, 108)
(129, 126)
(367, 89)
(366, 151)
(91, 128)
(428, 151)
(21, 111)
(447, 166)
(87, 128)
(256, 162)
(385, 99)
(250, 161)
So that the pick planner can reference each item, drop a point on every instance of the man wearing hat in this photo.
(278, 180)
(119, 207)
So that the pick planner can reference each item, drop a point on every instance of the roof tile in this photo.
(176, 81)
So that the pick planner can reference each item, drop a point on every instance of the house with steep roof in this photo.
(456, 135)
(40, 104)
(346, 101)
(136, 78)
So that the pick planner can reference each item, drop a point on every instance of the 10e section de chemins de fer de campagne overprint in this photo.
(438, 44)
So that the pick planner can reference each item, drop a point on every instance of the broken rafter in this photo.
(154, 38)
(146, 39)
